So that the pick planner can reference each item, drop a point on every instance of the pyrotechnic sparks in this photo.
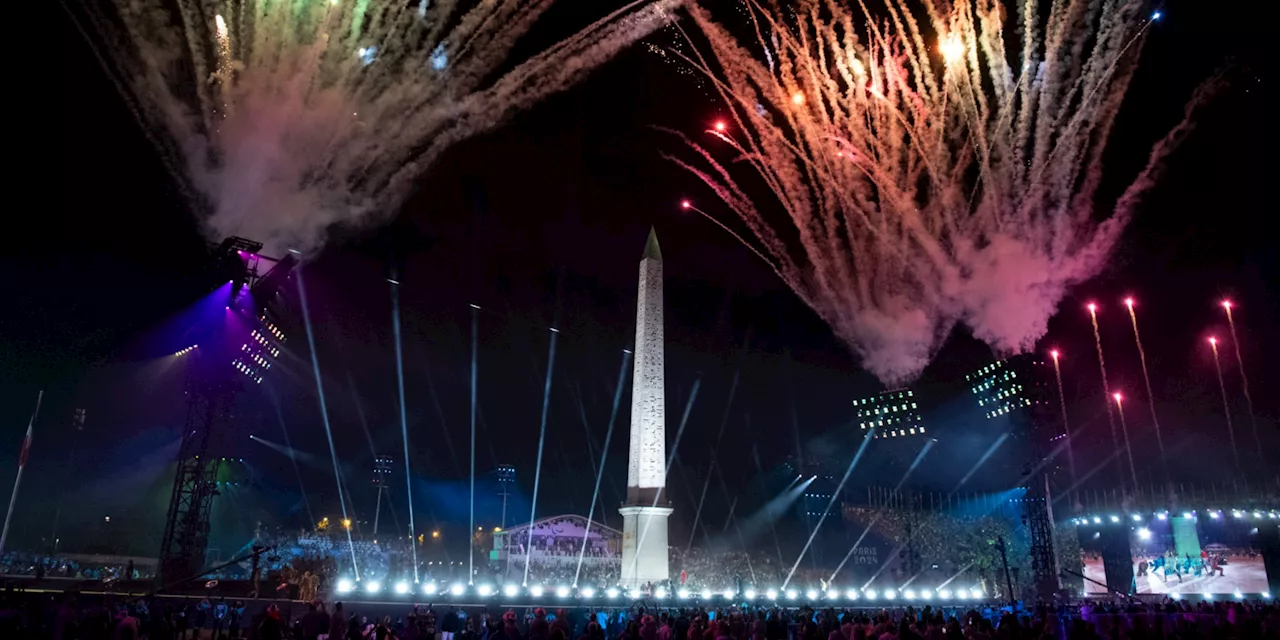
(1244, 379)
(287, 118)
(1106, 387)
(1226, 406)
(952, 49)
(930, 169)
(1124, 428)
(1062, 404)
(1146, 379)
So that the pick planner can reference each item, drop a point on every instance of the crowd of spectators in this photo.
(18, 563)
(934, 546)
(697, 568)
(700, 568)
(553, 573)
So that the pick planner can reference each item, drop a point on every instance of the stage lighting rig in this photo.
(237, 260)
(245, 343)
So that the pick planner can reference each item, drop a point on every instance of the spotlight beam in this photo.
(324, 414)
(604, 456)
(919, 457)
(1095, 470)
(839, 488)
(364, 422)
(475, 366)
(542, 439)
(292, 453)
(404, 427)
(773, 509)
(706, 484)
(981, 461)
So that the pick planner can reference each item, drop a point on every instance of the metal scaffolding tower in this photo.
(186, 531)
(1044, 559)
(220, 362)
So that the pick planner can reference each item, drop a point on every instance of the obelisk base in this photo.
(644, 545)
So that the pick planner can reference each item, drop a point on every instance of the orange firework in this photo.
(916, 181)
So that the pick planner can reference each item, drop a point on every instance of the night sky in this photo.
(542, 224)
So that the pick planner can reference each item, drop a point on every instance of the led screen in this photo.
(1095, 573)
(1197, 553)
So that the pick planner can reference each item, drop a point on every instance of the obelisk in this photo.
(645, 513)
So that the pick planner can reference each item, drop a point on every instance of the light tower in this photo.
(645, 512)
(506, 485)
(381, 481)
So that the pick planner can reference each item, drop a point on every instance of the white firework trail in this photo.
(914, 166)
(283, 118)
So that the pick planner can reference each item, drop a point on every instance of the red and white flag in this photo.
(26, 448)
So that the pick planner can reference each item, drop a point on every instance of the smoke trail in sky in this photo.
(1146, 380)
(927, 168)
(1226, 409)
(286, 118)
(1244, 379)
(1106, 393)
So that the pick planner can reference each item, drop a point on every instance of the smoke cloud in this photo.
(285, 119)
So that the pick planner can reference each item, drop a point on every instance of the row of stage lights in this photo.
(459, 590)
(248, 371)
(272, 328)
(184, 352)
(275, 353)
(1266, 595)
(262, 362)
(564, 592)
(255, 355)
(1239, 514)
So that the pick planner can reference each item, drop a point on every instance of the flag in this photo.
(26, 448)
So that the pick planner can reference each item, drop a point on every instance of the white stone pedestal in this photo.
(644, 545)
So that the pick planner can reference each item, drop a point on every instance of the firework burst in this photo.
(927, 169)
(286, 117)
